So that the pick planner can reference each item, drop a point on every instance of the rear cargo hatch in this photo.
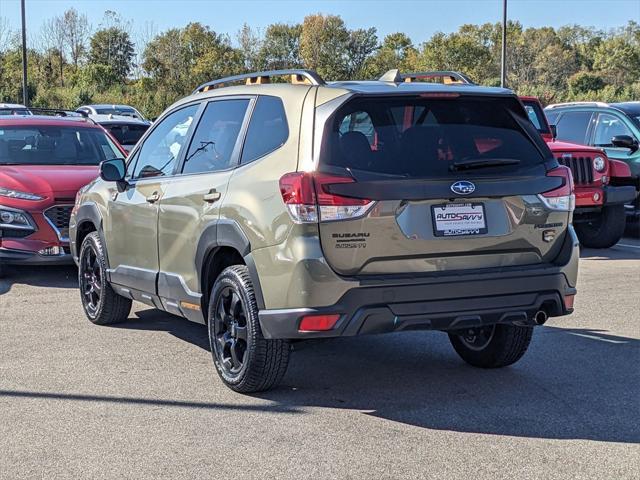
(436, 183)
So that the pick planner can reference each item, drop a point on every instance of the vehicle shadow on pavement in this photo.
(40, 276)
(157, 320)
(617, 252)
(572, 384)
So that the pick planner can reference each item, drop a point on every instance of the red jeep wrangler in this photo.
(602, 185)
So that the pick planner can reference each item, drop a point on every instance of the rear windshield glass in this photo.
(117, 111)
(126, 134)
(49, 145)
(425, 137)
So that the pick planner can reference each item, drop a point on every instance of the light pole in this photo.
(25, 97)
(503, 68)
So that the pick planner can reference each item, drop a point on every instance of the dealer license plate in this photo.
(455, 219)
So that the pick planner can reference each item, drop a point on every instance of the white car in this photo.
(104, 109)
(13, 109)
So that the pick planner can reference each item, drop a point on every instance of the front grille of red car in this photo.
(11, 233)
(581, 168)
(59, 216)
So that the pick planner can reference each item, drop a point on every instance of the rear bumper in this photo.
(22, 257)
(448, 302)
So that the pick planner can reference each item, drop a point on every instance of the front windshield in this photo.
(55, 145)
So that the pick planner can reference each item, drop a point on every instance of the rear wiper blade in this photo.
(482, 163)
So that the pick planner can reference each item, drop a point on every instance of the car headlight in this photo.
(599, 164)
(7, 192)
(15, 219)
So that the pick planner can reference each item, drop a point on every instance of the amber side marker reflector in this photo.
(568, 301)
(317, 323)
(190, 306)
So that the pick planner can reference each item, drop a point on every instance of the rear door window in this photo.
(573, 126)
(215, 138)
(424, 137)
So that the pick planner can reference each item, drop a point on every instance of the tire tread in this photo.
(115, 308)
(270, 358)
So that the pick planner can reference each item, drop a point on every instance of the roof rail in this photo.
(298, 76)
(586, 104)
(58, 112)
(448, 77)
(54, 112)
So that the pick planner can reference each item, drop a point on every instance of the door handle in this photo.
(153, 198)
(212, 196)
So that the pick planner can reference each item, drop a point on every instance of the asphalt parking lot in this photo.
(143, 400)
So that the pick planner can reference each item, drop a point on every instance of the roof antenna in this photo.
(392, 75)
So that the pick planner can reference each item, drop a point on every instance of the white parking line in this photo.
(593, 337)
(628, 246)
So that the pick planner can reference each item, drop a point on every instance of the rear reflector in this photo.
(562, 198)
(309, 200)
(568, 301)
(317, 323)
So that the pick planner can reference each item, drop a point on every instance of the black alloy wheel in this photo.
(245, 360)
(478, 338)
(102, 305)
(91, 281)
(230, 331)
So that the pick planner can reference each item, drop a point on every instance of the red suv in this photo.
(44, 161)
(602, 185)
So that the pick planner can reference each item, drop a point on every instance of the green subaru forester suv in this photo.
(280, 211)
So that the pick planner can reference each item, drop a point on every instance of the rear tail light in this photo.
(308, 199)
(318, 323)
(562, 198)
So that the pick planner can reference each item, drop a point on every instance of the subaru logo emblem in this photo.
(463, 187)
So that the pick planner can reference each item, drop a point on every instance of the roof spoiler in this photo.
(297, 76)
(448, 77)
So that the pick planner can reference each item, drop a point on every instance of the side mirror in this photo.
(625, 141)
(113, 170)
(554, 131)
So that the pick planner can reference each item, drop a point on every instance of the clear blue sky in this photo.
(418, 18)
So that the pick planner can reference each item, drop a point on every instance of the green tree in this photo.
(362, 43)
(249, 43)
(180, 59)
(617, 60)
(396, 51)
(113, 47)
(585, 82)
(324, 46)
(280, 47)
